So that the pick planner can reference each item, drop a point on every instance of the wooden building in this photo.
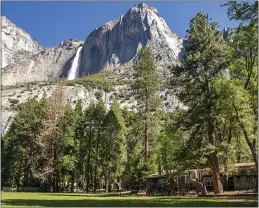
(243, 176)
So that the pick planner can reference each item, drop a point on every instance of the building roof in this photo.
(238, 169)
(245, 169)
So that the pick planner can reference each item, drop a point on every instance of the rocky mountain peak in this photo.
(142, 7)
(70, 43)
(118, 42)
(114, 46)
(25, 61)
(16, 43)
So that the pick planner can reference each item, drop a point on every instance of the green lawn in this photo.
(88, 200)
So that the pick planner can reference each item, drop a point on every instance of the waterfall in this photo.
(74, 68)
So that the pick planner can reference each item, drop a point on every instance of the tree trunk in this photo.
(148, 188)
(57, 183)
(106, 185)
(215, 173)
(26, 174)
(25, 178)
(96, 161)
(250, 144)
(88, 158)
(91, 176)
(72, 181)
(251, 147)
(213, 159)
(147, 149)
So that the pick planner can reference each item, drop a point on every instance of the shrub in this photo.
(95, 81)
(98, 95)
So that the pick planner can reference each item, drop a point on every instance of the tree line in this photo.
(49, 143)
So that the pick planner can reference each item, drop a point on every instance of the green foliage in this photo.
(66, 145)
(147, 82)
(243, 11)
(169, 142)
(244, 71)
(113, 151)
(133, 173)
(145, 88)
(94, 81)
(20, 146)
(51, 144)
(206, 59)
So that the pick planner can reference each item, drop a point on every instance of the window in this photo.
(192, 175)
(209, 183)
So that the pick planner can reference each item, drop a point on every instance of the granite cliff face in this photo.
(112, 47)
(118, 42)
(16, 43)
(47, 65)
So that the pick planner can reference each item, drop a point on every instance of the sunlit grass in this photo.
(102, 200)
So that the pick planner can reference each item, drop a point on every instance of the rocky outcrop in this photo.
(118, 42)
(123, 93)
(16, 43)
(47, 65)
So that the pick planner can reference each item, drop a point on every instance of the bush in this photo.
(95, 81)
(98, 95)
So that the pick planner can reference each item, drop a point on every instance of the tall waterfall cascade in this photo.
(73, 71)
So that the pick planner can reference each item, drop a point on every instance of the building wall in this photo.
(245, 182)
(208, 182)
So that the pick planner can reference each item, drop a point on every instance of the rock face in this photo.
(16, 43)
(112, 47)
(47, 65)
(115, 45)
(118, 42)
(123, 93)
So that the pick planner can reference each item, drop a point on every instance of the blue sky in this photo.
(52, 22)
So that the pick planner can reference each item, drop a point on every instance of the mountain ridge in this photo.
(16, 43)
(113, 45)
(118, 41)
(121, 40)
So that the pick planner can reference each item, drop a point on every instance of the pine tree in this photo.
(49, 134)
(169, 142)
(78, 135)
(87, 145)
(99, 116)
(113, 152)
(146, 86)
(206, 58)
(66, 146)
(20, 145)
(133, 174)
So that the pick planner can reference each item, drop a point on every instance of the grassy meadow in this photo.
(103, 200)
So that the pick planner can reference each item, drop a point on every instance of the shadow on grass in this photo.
(152, 202)
(89, 195)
